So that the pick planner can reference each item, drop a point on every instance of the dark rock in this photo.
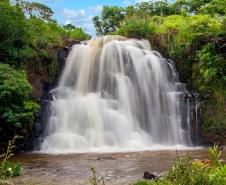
(195, 94)
(37, 128)
(70, 43)
(18, 148)
(150, 176)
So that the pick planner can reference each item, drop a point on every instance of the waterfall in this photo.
(115, 94)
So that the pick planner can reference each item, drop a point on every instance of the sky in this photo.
(80, 12)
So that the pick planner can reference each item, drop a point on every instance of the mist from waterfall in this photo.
(116, 94)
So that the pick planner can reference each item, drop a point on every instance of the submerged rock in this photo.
(106, 158)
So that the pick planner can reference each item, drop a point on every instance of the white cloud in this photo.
(139, 1)
(96, 9)
(127, 2)
(46, 1)
(82, 18)
(74, 14)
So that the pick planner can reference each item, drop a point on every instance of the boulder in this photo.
(150, 176)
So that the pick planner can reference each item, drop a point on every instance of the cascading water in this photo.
(115, 94)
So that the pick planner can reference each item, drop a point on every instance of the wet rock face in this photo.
(45, 102)
(190, 110)
(214, 138)
(41, 77)
(42, 85)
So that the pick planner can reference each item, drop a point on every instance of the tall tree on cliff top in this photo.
(195, 5)
(41, 10)
(109, 20)
(34, 9)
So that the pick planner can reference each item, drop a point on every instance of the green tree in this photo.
(212, 67)
(179, 6)
(16, 108)
(13, 33)
(130, 11)
(69, 26)
(98, 25)
(38, 10)
(110, 19)
(195, 5)
(73, 32)
(144, 9)
(160, 8)
(214, 7)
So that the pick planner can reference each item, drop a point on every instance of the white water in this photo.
(115, 95)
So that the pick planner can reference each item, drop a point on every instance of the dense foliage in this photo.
(16, 110)
(193, 34)
(29, 41)
(24, 38)
(13, 34)
(109, 20)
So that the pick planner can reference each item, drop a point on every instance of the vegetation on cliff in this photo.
(190, 32)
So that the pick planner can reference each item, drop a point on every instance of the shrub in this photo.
(7, 168)
(136, 28)
(16, 108)
(10, 169)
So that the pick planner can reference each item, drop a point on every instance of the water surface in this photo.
(116, 168)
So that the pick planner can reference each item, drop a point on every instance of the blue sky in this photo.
(80, 12)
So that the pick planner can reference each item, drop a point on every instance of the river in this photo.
(116, 168)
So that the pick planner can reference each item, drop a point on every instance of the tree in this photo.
(130, 11)
(13, 33)
(78, 34)
(98, 25)
(144, 9)
(36, 9)
(214, 7)
(160, 8)
(69, 27)
(195, 5)
(16, 108)
(179, 6)
(109, 20)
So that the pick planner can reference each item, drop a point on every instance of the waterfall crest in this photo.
(115, 94)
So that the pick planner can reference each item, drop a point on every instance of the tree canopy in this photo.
(109, 20)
